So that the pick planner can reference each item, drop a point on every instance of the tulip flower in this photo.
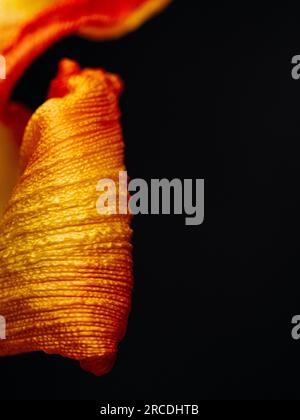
(65, 271)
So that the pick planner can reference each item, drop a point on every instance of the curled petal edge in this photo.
(66, 271)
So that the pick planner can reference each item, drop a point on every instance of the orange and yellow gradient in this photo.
(65, 271)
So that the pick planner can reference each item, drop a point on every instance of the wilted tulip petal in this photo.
(66, 271)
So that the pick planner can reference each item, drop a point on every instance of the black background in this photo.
(209, 94)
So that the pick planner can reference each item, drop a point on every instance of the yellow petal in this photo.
(14, 14)
(66, 271)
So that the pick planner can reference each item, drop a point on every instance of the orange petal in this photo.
(8, 165)
(30, 27)
(12, 128)
(66, 271)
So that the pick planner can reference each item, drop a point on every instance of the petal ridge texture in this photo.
(65, 270)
